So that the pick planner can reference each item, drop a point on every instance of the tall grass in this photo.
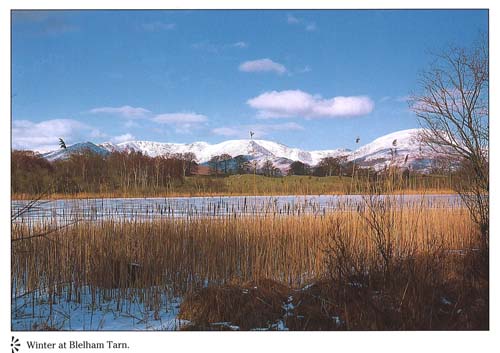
(125, 259)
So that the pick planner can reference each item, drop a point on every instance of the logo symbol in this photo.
(15, 344)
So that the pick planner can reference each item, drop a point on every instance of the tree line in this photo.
(134, 172)
(226, 164)
(89, 172)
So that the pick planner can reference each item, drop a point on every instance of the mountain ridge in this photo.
(400, 148)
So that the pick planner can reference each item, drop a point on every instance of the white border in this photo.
(245, 341)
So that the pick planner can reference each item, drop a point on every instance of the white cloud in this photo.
(179, 118)
(96, 133)
(44, 136)
(216, 48)
(287, 127)
(50, 23)
(158, 26)
(123, 138)
(403, 99)
(228, 131)
(125, 111)
(308, 26)
(398, 99)
(186, 128)
(29, 16)
(240, 45)
(262, 65)
(130, 124)
(305, 69)
(182, 122)
(291, 19)
(260, 130)
(296, 103)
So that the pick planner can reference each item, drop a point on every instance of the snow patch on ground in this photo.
(32, 312)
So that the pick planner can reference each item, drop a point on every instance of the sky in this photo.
(308, 79)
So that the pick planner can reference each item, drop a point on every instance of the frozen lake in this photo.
(153, 208)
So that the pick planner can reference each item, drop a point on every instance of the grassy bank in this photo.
(382, 267)
(244, 185)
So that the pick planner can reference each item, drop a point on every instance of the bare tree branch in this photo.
(452, 108)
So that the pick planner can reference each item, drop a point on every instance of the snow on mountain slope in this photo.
(317, 156)
(400, 148)
(403, 140)
(258, 149)
(394, 148)
(295, 154)
(77, 147)
(154, 149)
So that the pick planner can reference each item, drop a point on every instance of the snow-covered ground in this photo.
(35, 313)
(128, 315)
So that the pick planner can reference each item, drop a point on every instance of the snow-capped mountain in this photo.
(401, 148)
(261, 150)
(77, 147)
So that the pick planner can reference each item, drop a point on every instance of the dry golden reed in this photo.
(181, 253)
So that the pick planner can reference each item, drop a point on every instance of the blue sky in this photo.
(308, 79)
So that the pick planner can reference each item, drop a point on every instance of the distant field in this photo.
(248, 184)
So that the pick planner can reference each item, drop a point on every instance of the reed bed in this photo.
(129, 259)
(153, 208)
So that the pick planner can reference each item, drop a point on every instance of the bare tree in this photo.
(188, 160)
(214, 164)
(329, 166)
(452, 107)
(241, 164)
(225, 158)
(268, 168)
(191, 159)
(299, 168)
